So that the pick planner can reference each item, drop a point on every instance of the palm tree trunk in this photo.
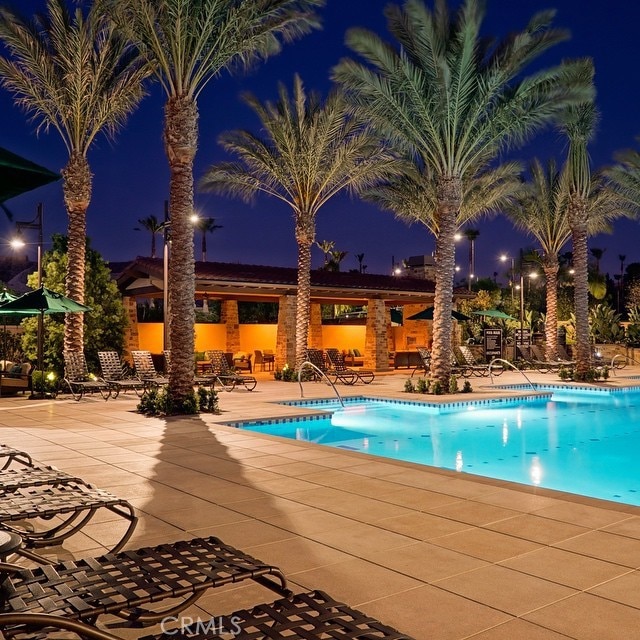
(181, 143)
(305, 235)
(581, 296)
(449, 198)
(77, 195)
(551, 324)
(153, 244)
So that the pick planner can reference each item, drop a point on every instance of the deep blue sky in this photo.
(131, 175)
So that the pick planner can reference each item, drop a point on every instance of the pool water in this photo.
(578, 442)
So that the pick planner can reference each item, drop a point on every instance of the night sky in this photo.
(131, 175)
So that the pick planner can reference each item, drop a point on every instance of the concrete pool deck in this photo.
(439, 555)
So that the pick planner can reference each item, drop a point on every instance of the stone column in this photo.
(376, 355)
(229, 317)
(315, 326)
(286, 335)
(131, 336)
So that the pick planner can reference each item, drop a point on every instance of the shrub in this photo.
(436, 388)
(289, 374)
(208, 400)
(158, 402)
(408, 386)
(422, 386)
(453, 384)
(466, 387)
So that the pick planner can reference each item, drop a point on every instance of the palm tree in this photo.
(361, 266)
(154, 226)
(326, 246)
(190, 42)
(448, 97)
(543, 213)
(312, 151)
(597, 255)
(592, 204)
(74, 74)
(206, 225)
(471, 235)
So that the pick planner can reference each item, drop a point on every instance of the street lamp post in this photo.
(166, 344)
(504, 258)
(37, 224)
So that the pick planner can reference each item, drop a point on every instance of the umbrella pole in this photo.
(40, 395)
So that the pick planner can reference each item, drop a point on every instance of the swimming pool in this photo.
(576, 441)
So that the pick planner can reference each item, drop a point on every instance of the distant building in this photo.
(423, 267)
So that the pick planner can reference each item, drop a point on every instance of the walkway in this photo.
(438, 555)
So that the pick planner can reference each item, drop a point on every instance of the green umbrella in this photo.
(427, 314)
(493, 313)
(5, 297)
(18, 175)
(42, 302)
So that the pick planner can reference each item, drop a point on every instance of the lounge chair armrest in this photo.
(42, 620)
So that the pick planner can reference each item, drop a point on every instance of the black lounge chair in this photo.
(46, 514)
(539, 354)
(199, 381)
(9, 455)
(313, 616)
(114, 374)
(79, 380)
(317, 358)
(123, 583)
(425, 361)
(477, 368)
(224, 375)
(336, 360)
(146, 371)
(525, 354)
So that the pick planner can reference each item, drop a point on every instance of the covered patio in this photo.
(233, 283)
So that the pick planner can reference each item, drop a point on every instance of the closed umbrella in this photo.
(427, 314)
(42, 302)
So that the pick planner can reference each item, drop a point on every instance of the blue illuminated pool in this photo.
(580, 441)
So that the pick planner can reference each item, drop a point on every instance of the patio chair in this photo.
(313, 615)
(146, 371)
(8, 455)
(336, 359)
(555, 365)
(225, 375)
(317, 358)
(78, 378)
(114, 374)
(47, 515)
(526, 356)
(477, 368)
(35, 476)
(263, 359)
(425, 357)
(122, 583)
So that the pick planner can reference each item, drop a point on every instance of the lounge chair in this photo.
(78, 378)
(526, 356)
(336, 359)
(425, 365)
(35, 476)
(225, 375)
(114, 374)
(146, 371)
(313, 615)
(465, 357)
(538, 353)
(8, 455)
(46, 515)
(122, 583)
(317, 358)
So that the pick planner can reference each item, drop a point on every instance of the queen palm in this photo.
(154, 226)
(312, 150)
(449, 97)
(542, 211)
(190, 42)
(205, 225)
(74, 74)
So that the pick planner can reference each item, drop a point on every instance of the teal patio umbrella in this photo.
(19, 175)
(42, 302)
(493, 313)
(427, 314)
(5, 297)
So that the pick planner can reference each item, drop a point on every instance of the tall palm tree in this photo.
(448, 96)
(190, 42)
(471, 235)
(326, 246)
(592, 203)
(311, 152)
(543, 213)
(205, 225)
(597, 256)
(72, 73)
(154, 226)
(361, 266)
